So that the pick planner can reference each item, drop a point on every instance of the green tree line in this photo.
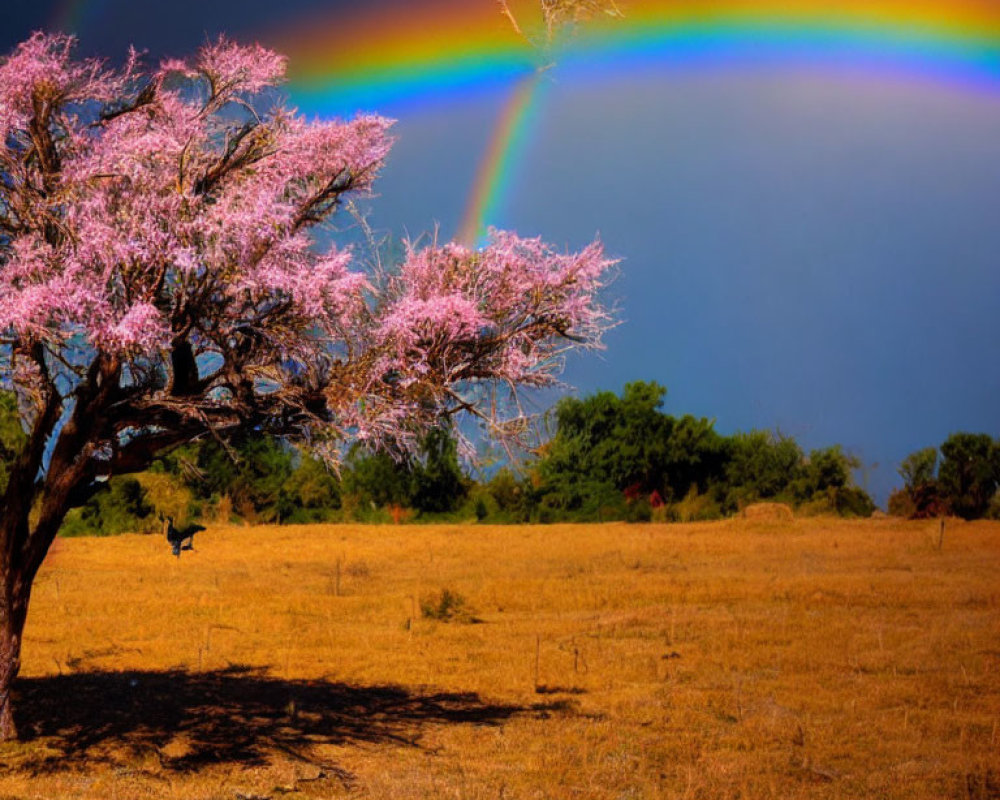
(960, 477)
(611, 457)
(620, 456)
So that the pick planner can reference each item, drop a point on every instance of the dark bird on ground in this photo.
(180, 538)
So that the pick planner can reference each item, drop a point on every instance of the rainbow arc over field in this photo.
(394, 53)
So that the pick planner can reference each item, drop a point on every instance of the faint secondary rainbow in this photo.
(69, 16)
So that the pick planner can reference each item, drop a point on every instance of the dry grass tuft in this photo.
(817, 658)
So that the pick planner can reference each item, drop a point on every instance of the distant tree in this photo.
(825, 483)
(969, 473)
(510, 494)
(438, 483)
(606, 439)
(160, 283)
(606, 444)
(252, 472)
(313, 490)
(120, 506)
(901, 504)
(373, 480)
(828, 468)
(696, 456)
(578, 498)
(918, 468)
(429, 480)
(993, 512)
(921, 496)
(762, 466)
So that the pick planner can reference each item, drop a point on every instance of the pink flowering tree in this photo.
(160, 282)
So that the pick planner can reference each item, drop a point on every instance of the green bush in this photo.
(639, 511)
(969, 473)
(120, 505)
(438, 485)
(993, 512)
(762, 466)
(901, 504)
(510, 495)
(844, 501)
(850, 501)
(918, 468)
(695, 507)
(446, 606)
(479, 505)
(311, 494)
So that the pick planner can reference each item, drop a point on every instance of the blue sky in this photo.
(802, 249)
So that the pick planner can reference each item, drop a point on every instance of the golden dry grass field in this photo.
(811, 658)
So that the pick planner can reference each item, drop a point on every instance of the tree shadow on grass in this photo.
(238, 715)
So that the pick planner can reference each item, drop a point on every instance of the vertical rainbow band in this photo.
(496, 168)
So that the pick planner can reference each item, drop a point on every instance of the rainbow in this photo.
(373, 59)
(493, 175)
(372, 56)
(391, 54)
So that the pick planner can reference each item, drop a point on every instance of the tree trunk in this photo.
(13, 613)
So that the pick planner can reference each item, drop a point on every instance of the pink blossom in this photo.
(140, 329)
(248, 69)
(42, 68)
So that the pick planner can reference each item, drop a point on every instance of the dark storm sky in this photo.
(802, 249)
